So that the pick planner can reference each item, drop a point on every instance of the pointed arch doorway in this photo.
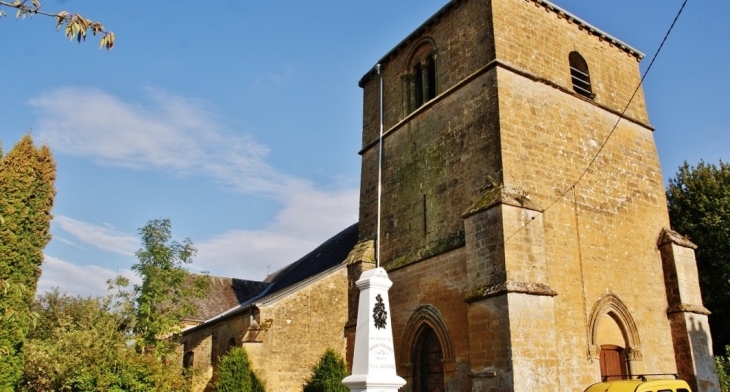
(427, 352)
(614, 339)
(428, 366)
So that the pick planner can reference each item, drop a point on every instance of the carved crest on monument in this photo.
(380, 315)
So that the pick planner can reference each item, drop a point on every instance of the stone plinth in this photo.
(373, 365)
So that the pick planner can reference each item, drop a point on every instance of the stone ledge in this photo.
(362, 252)
(506, 287)
(484, 373)
(500, 195)
(670, 236)
(688, 308)
(434, 248)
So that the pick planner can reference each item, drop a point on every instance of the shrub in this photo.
(236, 375)
(327, 374)
(723, 370)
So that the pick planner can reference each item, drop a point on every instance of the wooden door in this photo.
(613, 363)
(430, 370)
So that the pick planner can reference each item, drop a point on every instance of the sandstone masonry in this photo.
(527, 247)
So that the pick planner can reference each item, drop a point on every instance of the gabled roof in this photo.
(316, 264)
(223, 294)
(331, 253)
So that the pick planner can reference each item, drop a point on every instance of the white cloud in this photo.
(317, 215)
(78, 280)
(248, 254)
(307, 220)
(103, 237)
(168, 133)
(180, 136)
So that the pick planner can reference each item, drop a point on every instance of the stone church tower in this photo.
(525, 253)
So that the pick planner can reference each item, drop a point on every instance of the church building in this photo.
(523, 222)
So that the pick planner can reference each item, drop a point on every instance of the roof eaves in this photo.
(273, 297)
(452, 3)
(591, 28)
(263, 299)
(445, 9)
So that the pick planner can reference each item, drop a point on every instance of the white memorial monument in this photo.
(373, 363)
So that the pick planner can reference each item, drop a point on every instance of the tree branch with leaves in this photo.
(698, 198)
(75, 26)
(168, 290)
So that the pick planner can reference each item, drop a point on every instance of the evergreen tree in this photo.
(236, 375)
(699, 207)
(27, 175)
(327, 374)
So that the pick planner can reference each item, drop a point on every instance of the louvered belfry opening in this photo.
(579, 75)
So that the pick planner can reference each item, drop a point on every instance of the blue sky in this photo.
(240, 121)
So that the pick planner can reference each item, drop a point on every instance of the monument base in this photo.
(373, 383)
(373, 364)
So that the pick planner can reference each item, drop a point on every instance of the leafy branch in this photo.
(76, 26)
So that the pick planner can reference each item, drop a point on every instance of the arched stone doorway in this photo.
(428, 368)
(613, 339)
(426, 358)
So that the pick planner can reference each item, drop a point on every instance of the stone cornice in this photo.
(506, 287)
(498, 196)
(688, 308)
(670, 236)
(434, 248)
(489, 66)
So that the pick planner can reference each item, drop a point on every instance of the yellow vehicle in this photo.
(641, 384)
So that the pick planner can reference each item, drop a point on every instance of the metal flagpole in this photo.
(374, 370)
(380, 169)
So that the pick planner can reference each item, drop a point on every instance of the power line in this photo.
(621, 117)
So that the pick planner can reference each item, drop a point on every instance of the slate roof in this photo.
(225, 293)
(330, 254)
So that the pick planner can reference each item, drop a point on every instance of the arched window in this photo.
(418, 84)
(579, 75)
(431, 77)
(231, 345)
(419, 79)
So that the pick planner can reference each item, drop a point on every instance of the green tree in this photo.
(27, 175)
(236, 375)
(723, 370)
(168, 290)
(81, 344)
(699, 207)
(327, 374)
(75, 26)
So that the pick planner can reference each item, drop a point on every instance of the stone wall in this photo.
(436, 287)
(284, 335)
(303, 325)
(600, 236)
(500, 192)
